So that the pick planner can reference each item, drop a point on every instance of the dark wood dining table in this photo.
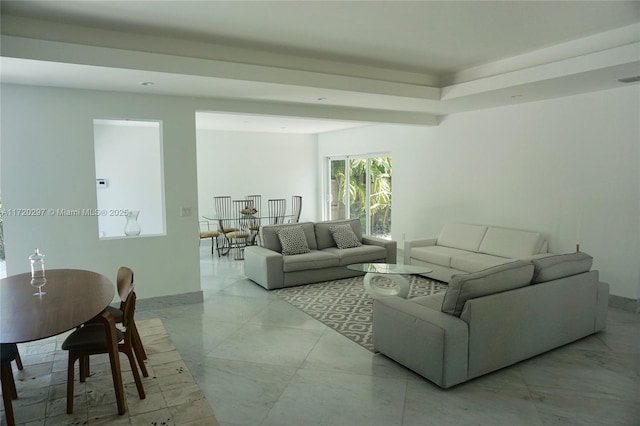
(72, 298)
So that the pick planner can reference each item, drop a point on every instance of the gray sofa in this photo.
(462, 248)
(491, 319)
(273, 266)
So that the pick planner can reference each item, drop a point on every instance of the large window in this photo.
(360, 187)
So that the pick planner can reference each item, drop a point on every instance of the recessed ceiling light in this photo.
(322, 99)
(147, 83)
(629, 79)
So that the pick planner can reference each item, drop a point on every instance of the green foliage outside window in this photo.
(380, 187)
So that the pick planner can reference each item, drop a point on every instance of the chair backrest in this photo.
(255, 201)
(124, 282)
(296, 208)
(242, 215)
(128, 310)
(277, 210)
(224, 211)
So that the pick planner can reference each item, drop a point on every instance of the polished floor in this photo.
(260, 361)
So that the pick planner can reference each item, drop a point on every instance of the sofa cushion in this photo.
(438, 255)
(474, 262)
(432, 301)
(561, 265)
(324, 238)
(293, 240)
(497, 279)
(365, 253)
(269, 235)
(462, 236)
(511, 243)
(313, 260)
(344, 236)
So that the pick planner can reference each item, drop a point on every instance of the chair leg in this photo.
(135, 372)
(138, 349)
(84, 366)
(114, 360)
(8, 392)
(19, 361)
(70, 378)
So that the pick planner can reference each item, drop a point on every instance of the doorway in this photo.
(360, 187)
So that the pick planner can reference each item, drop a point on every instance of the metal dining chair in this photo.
(277, 210)
(296, 208)
(239, 238)
(255, 201)
(225, 215)
(207, 232)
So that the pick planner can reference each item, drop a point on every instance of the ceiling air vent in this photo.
(629, 79)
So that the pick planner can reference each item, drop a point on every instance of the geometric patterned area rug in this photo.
(344, 305)
(172, 394)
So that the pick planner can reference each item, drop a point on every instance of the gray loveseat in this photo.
(491, 319)
(322, 259)
(462, 248)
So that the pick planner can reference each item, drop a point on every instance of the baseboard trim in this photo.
(169, 301)
(624, 303)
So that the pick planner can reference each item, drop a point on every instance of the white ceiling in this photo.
(333, 64)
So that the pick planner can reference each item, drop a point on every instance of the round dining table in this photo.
(72, 298)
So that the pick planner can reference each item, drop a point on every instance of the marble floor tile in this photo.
(327, 398)
(241, 393)
(268, 344)
(468, 405)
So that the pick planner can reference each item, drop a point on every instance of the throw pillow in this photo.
(292, 240)
(344, 236)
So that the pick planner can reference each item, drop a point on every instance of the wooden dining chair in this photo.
(296, 208)
(277, 210)
(104, 337)
(8, 353)
(125, 285)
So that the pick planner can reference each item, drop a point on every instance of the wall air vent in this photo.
(629, 79)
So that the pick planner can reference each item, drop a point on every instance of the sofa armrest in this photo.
(429, 342)
(390, 245)
(408, 245)
(264, 266)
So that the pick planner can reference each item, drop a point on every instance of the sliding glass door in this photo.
(360, 187)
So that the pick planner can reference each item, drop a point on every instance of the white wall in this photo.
(535, 166)
(274, 165)
(48, 162)
(129, 157)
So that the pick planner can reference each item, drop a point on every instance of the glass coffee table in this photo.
(393, 272)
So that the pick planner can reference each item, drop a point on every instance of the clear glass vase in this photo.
(132, 227)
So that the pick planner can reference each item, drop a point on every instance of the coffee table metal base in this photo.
(400, 290)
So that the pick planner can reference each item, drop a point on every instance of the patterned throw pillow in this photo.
(292, 240)
(344, 236)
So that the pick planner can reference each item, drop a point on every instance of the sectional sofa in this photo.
(462, 248)
(493, 318)
(303, 253)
